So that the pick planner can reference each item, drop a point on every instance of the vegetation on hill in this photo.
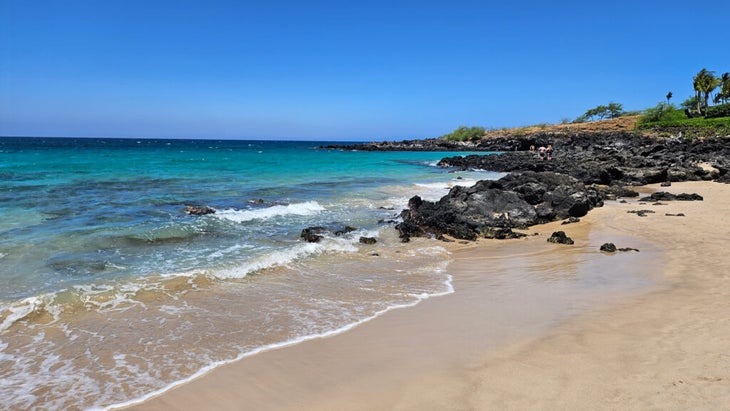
(464, 133)
(696, 113)
(696, 116)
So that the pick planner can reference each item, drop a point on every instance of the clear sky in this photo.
(345, 70)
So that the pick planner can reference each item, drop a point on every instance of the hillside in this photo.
(627, 123)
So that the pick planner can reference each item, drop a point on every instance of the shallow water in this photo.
(109, 291)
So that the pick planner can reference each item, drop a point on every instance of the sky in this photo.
(341, 70)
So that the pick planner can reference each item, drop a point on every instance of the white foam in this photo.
(229, 250)
(111, 298)
(417, 298)
(21, 309)
(239, 216)
(286, 256)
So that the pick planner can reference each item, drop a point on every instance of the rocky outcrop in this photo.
(437, 144)
(514, 201)
(584, 170)
(615, 158)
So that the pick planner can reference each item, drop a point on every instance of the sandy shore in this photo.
(532, 325)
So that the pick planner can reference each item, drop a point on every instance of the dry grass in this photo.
(627, 123)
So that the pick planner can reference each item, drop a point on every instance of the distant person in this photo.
(541, 152)
(549, 152)
(532, 148)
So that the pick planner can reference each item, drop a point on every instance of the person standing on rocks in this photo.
(549, 152)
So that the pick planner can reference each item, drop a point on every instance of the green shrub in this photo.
(690, 103)
(662, 111)
(722, 110)
(464, 133)
(699, 122)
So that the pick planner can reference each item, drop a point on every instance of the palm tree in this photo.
(725, 87)
(698, 93)
(704, 82)
(669, 96)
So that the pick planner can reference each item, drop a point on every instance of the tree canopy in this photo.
(612, 110)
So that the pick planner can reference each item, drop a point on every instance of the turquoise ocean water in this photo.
(110, 292)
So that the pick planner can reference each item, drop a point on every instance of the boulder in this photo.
(368, 240)
(608, 247)
(347, 229)
(559, 237)
(313, 234)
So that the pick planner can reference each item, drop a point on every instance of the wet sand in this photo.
(532, 325)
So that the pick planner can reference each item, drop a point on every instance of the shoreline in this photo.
(384, 363)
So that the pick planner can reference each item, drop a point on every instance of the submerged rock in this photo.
(198, 210)
(313, 234)
(368, 240)
(641, 213)
(345, 230)
(628, 249)
(611, 248)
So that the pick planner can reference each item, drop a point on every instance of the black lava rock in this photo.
(559, 237)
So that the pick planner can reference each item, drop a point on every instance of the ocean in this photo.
(111, 293)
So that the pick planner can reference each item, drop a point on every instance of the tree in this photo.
(690, 103)
(612, 110)
(669, 97)
(704, 82)
(724, 94)
(615, 110)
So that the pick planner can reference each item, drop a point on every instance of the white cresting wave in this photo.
(118, 296)
(301, 209)
(286, 256)
(434, 191)
(417, 298)
(19, 310)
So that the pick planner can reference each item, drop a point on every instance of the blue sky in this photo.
(345, 70)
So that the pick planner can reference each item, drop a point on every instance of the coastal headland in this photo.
(573, 326)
